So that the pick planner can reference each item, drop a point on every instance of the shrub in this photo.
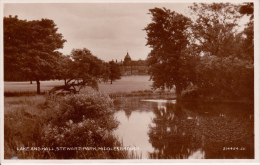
(91, 106)
(81, 120)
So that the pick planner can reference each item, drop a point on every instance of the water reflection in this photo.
(133, 130)
(173, 135)
(170, 130)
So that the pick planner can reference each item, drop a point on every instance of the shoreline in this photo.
(145, 93)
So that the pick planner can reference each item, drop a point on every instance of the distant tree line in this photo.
(205, 56)
(31, 53)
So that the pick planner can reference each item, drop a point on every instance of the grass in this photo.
(24, 118)
(125, 87)
(22, 93)
(26, 86)
(30, 104)
(125, 84)
(21, 118)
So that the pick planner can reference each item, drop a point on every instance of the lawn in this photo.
(125, 84)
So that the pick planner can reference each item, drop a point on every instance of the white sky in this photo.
(108, 30)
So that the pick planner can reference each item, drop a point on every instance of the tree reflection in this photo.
(179, 133)
(196, 130)
(172, 133)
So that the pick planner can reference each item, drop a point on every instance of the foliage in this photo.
(214, 27)
(167, 61)
(22, 127)
(91, 105)
(86, 67)
(114, 71)
(231, 78)
(30, 49)
(81, 69)
(105, 72)
(248, 42)
(65, 71)
(207, 55)
(248, 9)
(33, 122)
(226, 69)
(80, 120)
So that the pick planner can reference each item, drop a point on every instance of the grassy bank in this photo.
(26, 120)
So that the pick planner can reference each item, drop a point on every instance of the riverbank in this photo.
(210, 100)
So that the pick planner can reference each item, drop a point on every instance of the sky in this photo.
(108, 30)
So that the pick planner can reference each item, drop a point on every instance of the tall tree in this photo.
(226, 68)
(167, 35)
(248, 41)
(114, 71)
(80, 69)
(214, 27)
(14, 48)
(30, 49)
(85, 69)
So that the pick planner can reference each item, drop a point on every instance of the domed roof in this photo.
(127, 57)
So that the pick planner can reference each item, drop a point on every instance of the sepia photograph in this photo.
(102, 81)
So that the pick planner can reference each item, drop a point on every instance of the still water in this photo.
(167, 129)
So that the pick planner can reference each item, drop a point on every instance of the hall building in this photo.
(132, 67)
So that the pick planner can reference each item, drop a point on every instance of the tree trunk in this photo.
(111, 81)
(38, 86)
(30, 81)
(65, 82)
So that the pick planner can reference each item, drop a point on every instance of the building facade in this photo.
(132, 67)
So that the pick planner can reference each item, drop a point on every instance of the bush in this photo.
(225, 78)
(81, 120)
(85, 106)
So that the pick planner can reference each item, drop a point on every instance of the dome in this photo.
(127, 60)
(127, 57)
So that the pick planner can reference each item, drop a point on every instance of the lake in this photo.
(166, 129)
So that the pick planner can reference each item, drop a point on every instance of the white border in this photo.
(186, 161)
